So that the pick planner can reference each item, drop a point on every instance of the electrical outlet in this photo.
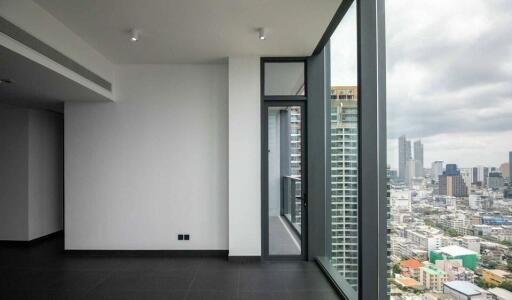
(180, 237)
(187, 237)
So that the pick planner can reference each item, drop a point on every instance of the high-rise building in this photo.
(495, 180)
(480, 174)
(510, 166)
(451, 182)
(404, 154)
(344, 181)
(418, 156)
(437, 169)
(505, 170)
(467, 175)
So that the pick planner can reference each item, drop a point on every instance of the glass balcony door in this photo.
(284, 197)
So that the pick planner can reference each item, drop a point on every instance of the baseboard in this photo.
(244, 259)
(170, 253)
(32, 242)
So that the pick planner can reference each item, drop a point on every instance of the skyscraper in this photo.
(510, 165)
(344, 181)
(437, 169)
(451, 182)
(418, 156)
(404, 154)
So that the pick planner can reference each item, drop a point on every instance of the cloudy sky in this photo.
(449, 77)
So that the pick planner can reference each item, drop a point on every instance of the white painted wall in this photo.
(45, 176)
(30, 17)
(153, 164)
(13, 173)
(244, 157)
(31, 195)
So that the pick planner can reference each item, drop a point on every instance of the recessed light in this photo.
(262, 33)
(134, 35)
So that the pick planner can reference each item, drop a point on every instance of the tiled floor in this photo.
(43, 271)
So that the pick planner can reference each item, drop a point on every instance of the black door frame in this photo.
(279, 100)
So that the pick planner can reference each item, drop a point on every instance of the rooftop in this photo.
(499, 272)
(455, 250)
(464, 287)
(502, 293)
(410, 263)
(433, 270)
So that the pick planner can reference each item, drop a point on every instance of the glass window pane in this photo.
(343, 236)
(284, 79)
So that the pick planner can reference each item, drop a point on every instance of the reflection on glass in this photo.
(284, 180)
(344, 150)
(284, 79)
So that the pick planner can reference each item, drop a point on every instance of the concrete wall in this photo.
(45, 176)
(153, 164)
(13, 173)
(244, 157)
(31, 195)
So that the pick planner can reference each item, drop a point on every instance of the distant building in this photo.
(418, 156)
(510, 165)
(469, 258)
(437, 169)
(480, 174)
(410, 268)
(495, 180)
(413, 169)
(464, 290)
(451, 182)
(467, 175)
(505, 170)
(404, 154)
(432, 277)
(495, 277)
(500, 294)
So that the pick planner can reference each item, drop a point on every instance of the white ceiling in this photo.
(191, 31)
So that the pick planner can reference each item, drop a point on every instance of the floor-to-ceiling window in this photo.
(449, 141)
(343, 110)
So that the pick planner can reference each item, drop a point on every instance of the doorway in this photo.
(284, 199)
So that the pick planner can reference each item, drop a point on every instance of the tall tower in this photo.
(510, 165)
(404, 154)
(418, 156)
(344, 182)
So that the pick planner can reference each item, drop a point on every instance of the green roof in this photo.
(433, 270)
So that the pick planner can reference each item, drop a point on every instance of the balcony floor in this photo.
(282, 239)
(43, 271)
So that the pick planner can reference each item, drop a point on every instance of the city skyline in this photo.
(447, 85)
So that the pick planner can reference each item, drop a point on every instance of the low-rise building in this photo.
(464, 290)
(411, 268)
(469, 258)
(495, 277)
(500, 294)
(431, 277)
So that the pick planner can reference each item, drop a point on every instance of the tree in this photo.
(507, 284)
(452, 232)
(396, 269)
(509, 264)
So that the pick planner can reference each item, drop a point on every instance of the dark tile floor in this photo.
(43, 271)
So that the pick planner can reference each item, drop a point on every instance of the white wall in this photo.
(13, 173)
(45, 177)
(152, 165)
(31, 173)
(244, 157)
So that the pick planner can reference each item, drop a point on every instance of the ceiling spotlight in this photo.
(262, 32)
(134, 35)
